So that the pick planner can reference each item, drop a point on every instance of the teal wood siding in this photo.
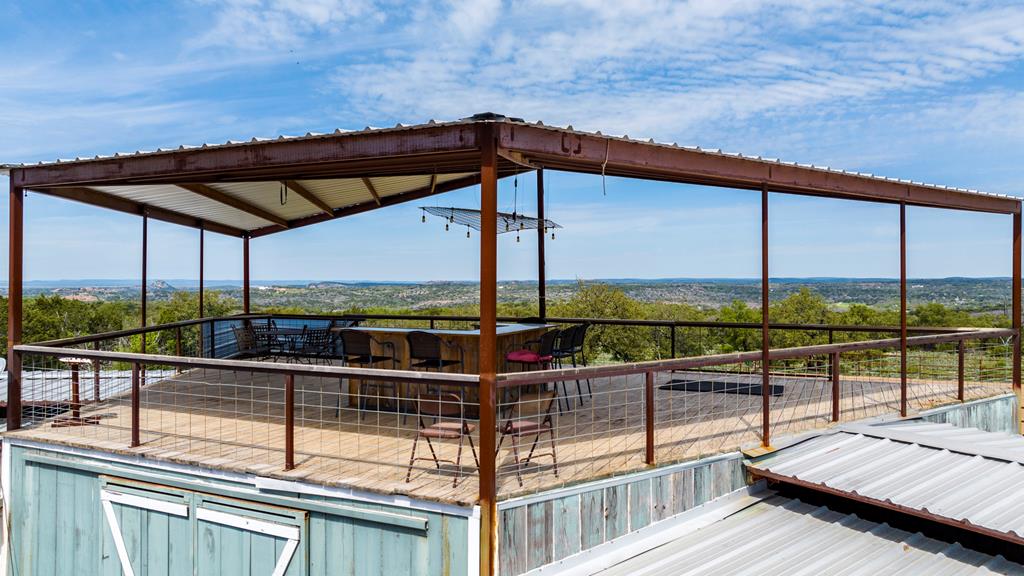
(990, 414)
(547, 528)
(59, 526)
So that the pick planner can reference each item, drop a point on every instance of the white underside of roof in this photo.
(337, 193)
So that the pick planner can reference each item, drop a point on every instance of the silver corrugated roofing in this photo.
(960, 476)
(783, 536)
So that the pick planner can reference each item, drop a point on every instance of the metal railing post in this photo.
(76, 396)
(960, 370)
(673, 333)
(834, 368)
(96, 375)
(649, 417)
(289, 422)
(135, 404)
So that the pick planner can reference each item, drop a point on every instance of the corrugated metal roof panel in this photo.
(783, 536)
(185, 202)
(960, 474)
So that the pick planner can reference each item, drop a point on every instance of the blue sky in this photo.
(931, 91)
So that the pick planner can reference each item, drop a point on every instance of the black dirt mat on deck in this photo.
(722, 387)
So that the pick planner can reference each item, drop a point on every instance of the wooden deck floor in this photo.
(230, 421)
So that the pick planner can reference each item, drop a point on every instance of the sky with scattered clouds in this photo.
(927, 90)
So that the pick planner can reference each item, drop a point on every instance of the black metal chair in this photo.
(357, 349)
(542, 358)
(426, 351)
(247, 343)
(570, 347)
(317, 346)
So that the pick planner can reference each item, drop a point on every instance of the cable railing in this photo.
(418, 433)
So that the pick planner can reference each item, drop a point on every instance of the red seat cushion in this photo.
(446, 430)
(527, 357)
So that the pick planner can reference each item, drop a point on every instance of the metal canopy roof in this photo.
(963, 477)
(236, 187)
(789, 537)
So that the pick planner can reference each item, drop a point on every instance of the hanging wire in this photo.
(283, 194)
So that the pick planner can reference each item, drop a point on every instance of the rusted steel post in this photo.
(96, 375)
(542, 297)
(145, 273)
(960, 370)
(903, 309)
(14, 304)
(834, 369)
(76, 397)
(673, 341)
(202, 252)
(245, 274)
(135, 404)
(1016, 307)
(649, 417)
(289, 422)
(766, 386)
(488, 346)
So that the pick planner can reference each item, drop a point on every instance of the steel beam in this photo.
(1016, 311)
(766, 383)
(434, 188)
(202, 254)
(371, 189)
(488, 349)
(145, 273)
(112, 202)
(233, 202)
(245, 274)
(542, 299)
(591, 153)
(15, 270)
(903, 309)
(309, 196)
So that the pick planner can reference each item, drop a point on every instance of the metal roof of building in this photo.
(238, 187)
(958, 476)
(783, 536)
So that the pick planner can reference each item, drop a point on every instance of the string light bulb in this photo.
(445, 226)
(423, 218)
(467, 231)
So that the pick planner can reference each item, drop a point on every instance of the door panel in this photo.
(147, 536)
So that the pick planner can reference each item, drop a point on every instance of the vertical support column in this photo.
(76, 397)
(201, 342)
(649, 418)
(542, 297)
(14, 304)
(960, 370)
(488, 346)
(1016, 309)
(96, 375)
(903, 309)
(766, 386)
(135, 405)
(145, 280)
(834, 369)
(289, 422)
(245, 274)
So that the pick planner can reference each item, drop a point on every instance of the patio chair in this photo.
(530, 416)
(449, 423)
(247, 343)
(318, 345)
(570, 347)
(357, 349)
(542, 358)
(426, 351)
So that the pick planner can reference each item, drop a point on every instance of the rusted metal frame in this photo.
(96, 375)
(542, 297)
(766, 385)
(112, 202)
(649, 415)
(76, 395)
(202, 308)
(233, 202)
(903, 309)
(145, 273)
(488, 349)
(135, 401)
(1016, 321)
(245, 274)
(513, 379)
(367, 152)
(577, 152)
(310, 370)
(289, 422)
(888, 505)
(836, 392)
(308, 195)
(371, 189)
(960, 370)
(15, 269)
(672, 339)
(437, 188)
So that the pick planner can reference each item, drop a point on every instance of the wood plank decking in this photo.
(234, 421)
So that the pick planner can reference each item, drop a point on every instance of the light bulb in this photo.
(423, 218)
(445, 226)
